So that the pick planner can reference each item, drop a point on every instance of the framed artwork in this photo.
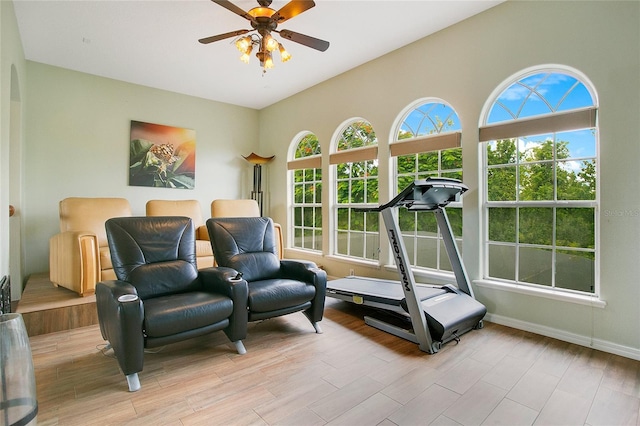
(162, 156)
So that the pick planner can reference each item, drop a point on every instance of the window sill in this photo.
(593, 301)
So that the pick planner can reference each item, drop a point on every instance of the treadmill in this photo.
(436, 314)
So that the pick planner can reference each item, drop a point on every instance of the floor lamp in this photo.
(257, 161)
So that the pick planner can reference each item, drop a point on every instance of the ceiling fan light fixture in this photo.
(268, 61)
(270, 43)
(246, 56)
(261, 12)
(284, 55)
(243, 44)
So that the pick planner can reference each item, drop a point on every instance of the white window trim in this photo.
(547, 293)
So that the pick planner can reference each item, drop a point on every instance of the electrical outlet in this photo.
(351, 272)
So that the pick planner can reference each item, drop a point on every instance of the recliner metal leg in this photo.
(317, 327)
(133, 382)
(240, 347)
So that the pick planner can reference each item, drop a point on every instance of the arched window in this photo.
(540, 190)
(306, 170)
(356, 233)
(427, 144)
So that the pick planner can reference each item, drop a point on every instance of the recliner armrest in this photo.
(74, 261)
(222, 280)
(121, 322)
(302, 270)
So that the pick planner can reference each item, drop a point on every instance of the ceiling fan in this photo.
(264, 20)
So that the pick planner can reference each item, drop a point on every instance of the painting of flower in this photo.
(162, 156)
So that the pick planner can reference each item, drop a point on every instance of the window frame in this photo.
(543, 124)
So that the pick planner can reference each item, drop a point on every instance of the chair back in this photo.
(188, 208)
(246, 244)
(235, 208)
(90, 214)
(157, 255)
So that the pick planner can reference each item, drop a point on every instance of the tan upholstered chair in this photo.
(79, 255)
(245, 208)
(191, 209)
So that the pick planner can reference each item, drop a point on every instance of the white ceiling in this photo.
(155, 42)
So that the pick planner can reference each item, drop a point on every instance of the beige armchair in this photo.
(79, 255)
(191, 209)
(245, 208)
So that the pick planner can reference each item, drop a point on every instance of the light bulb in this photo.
(271, 44)
(243, 44)
(284, 55)
(268, 61)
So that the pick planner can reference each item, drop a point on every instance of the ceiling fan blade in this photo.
(312, 42)
(235, 9)
(211, 39)
(291, 9)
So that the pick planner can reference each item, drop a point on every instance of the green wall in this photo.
(77, 145)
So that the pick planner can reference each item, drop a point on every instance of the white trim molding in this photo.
(589, 342)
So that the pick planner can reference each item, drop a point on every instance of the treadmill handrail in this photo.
(406, 197)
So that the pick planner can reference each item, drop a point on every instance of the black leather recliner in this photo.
(276, 286)
(160, 297)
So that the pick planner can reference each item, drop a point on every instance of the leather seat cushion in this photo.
(176, 313)
(273, 294)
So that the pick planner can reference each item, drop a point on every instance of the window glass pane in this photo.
(502, 262)
(356, 244)
(536, 182)
(575, 227)
(308, 146)
(298, 193)
(342, 242)
(409, 245)
(298, 175)
(535, 265)
(451, 158)
(372, 219)
(307, 217)
(501, 152)
(373, 246)
(308, 239)
(539, 94)
(406, 220)
(357, 220)
(502, 224)
(317, 215)
(445, 264)
(357, 135)
(357, 191)
(342, 190)
(372, 191)
(501, 184)
(343, 219)
(578, 143)
(317, 245)
(575, 270)
(406, 164)
(427, 223)
(427, 252)
(297, 216)
(318, 192)
(428, 161)
(536, 226)
(576, 180)
(455, 220)
(453, 175)
(297, 237)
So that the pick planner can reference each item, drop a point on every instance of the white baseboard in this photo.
(589, 342)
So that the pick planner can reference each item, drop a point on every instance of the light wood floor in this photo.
(350, 375)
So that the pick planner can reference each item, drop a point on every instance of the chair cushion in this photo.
(274, 294)
(176, 313)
